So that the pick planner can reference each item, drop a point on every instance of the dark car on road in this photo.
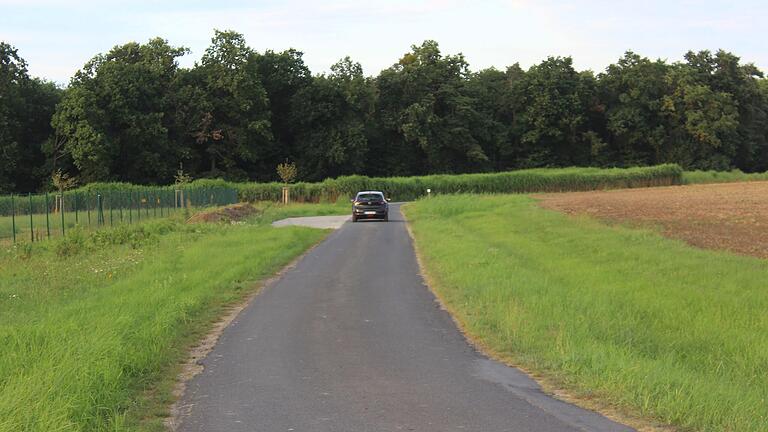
(370, 205)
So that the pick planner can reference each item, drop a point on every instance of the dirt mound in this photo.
(731, 216)
(228, 214)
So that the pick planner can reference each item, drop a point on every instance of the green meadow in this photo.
(93, 325)
(637, 321)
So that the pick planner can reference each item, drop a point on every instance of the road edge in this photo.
(548, 384)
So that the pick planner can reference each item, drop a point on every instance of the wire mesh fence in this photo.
(42, 216)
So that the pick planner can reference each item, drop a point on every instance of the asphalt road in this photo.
(352, 340)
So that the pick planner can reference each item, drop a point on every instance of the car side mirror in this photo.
(351, 200)
(388, 199)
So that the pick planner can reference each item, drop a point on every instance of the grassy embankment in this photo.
(93, 326)
(641, 322)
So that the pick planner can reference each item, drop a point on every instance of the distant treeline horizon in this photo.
(134, 115)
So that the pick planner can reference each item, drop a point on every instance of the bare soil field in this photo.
(732, 216)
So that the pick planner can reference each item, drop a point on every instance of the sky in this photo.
(57, 37)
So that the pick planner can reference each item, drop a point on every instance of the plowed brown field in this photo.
(731, 216)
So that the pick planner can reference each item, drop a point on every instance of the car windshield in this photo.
(369, 197)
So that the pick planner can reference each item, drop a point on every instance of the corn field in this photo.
(522, 181)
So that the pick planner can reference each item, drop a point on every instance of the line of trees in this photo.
(134, 115)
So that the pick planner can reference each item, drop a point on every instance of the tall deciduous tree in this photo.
(632, 93)
(283, 75)
(492, 98)
(703, 121)
(332, 115)
(555, 103)
(26, 106)
(232, 129)
(115, 116)
(424, 106)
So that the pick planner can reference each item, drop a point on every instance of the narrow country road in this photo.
(351, 340)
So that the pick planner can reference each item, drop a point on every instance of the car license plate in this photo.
(370, 212)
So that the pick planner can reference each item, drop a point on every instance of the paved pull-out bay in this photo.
(351, 340)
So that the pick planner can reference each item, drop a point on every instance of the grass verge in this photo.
(94, 325)
(643, 323)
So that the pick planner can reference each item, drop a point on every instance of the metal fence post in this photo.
(61, 210)
(31, 224)
(47, 219)
(74, 197)
(13, 218)
(99, 215)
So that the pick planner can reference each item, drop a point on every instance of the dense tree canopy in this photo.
(115, 115)
(133, 114)
(26, 107)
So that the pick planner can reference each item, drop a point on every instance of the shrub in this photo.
(72, 243)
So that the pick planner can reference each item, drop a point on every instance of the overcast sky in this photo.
(57, 37)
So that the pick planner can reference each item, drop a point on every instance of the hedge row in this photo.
(398, 188)
(523, 181)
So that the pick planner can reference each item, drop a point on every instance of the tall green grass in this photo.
(631, 318)
(695, 177)
(89, 324)
(531, 180)
(219, 192)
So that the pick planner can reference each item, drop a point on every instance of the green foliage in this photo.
(422, 104)
(115, 116)
(26, 107)
(229, 114)
(132, 115)
(286, 79)
(287, 172)
(330, 117)
(181, 178)
(647, 324)
(21, 251)
(693, 177)
(632, 92)
(409, 188)
(73, 243)
(555, 102)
